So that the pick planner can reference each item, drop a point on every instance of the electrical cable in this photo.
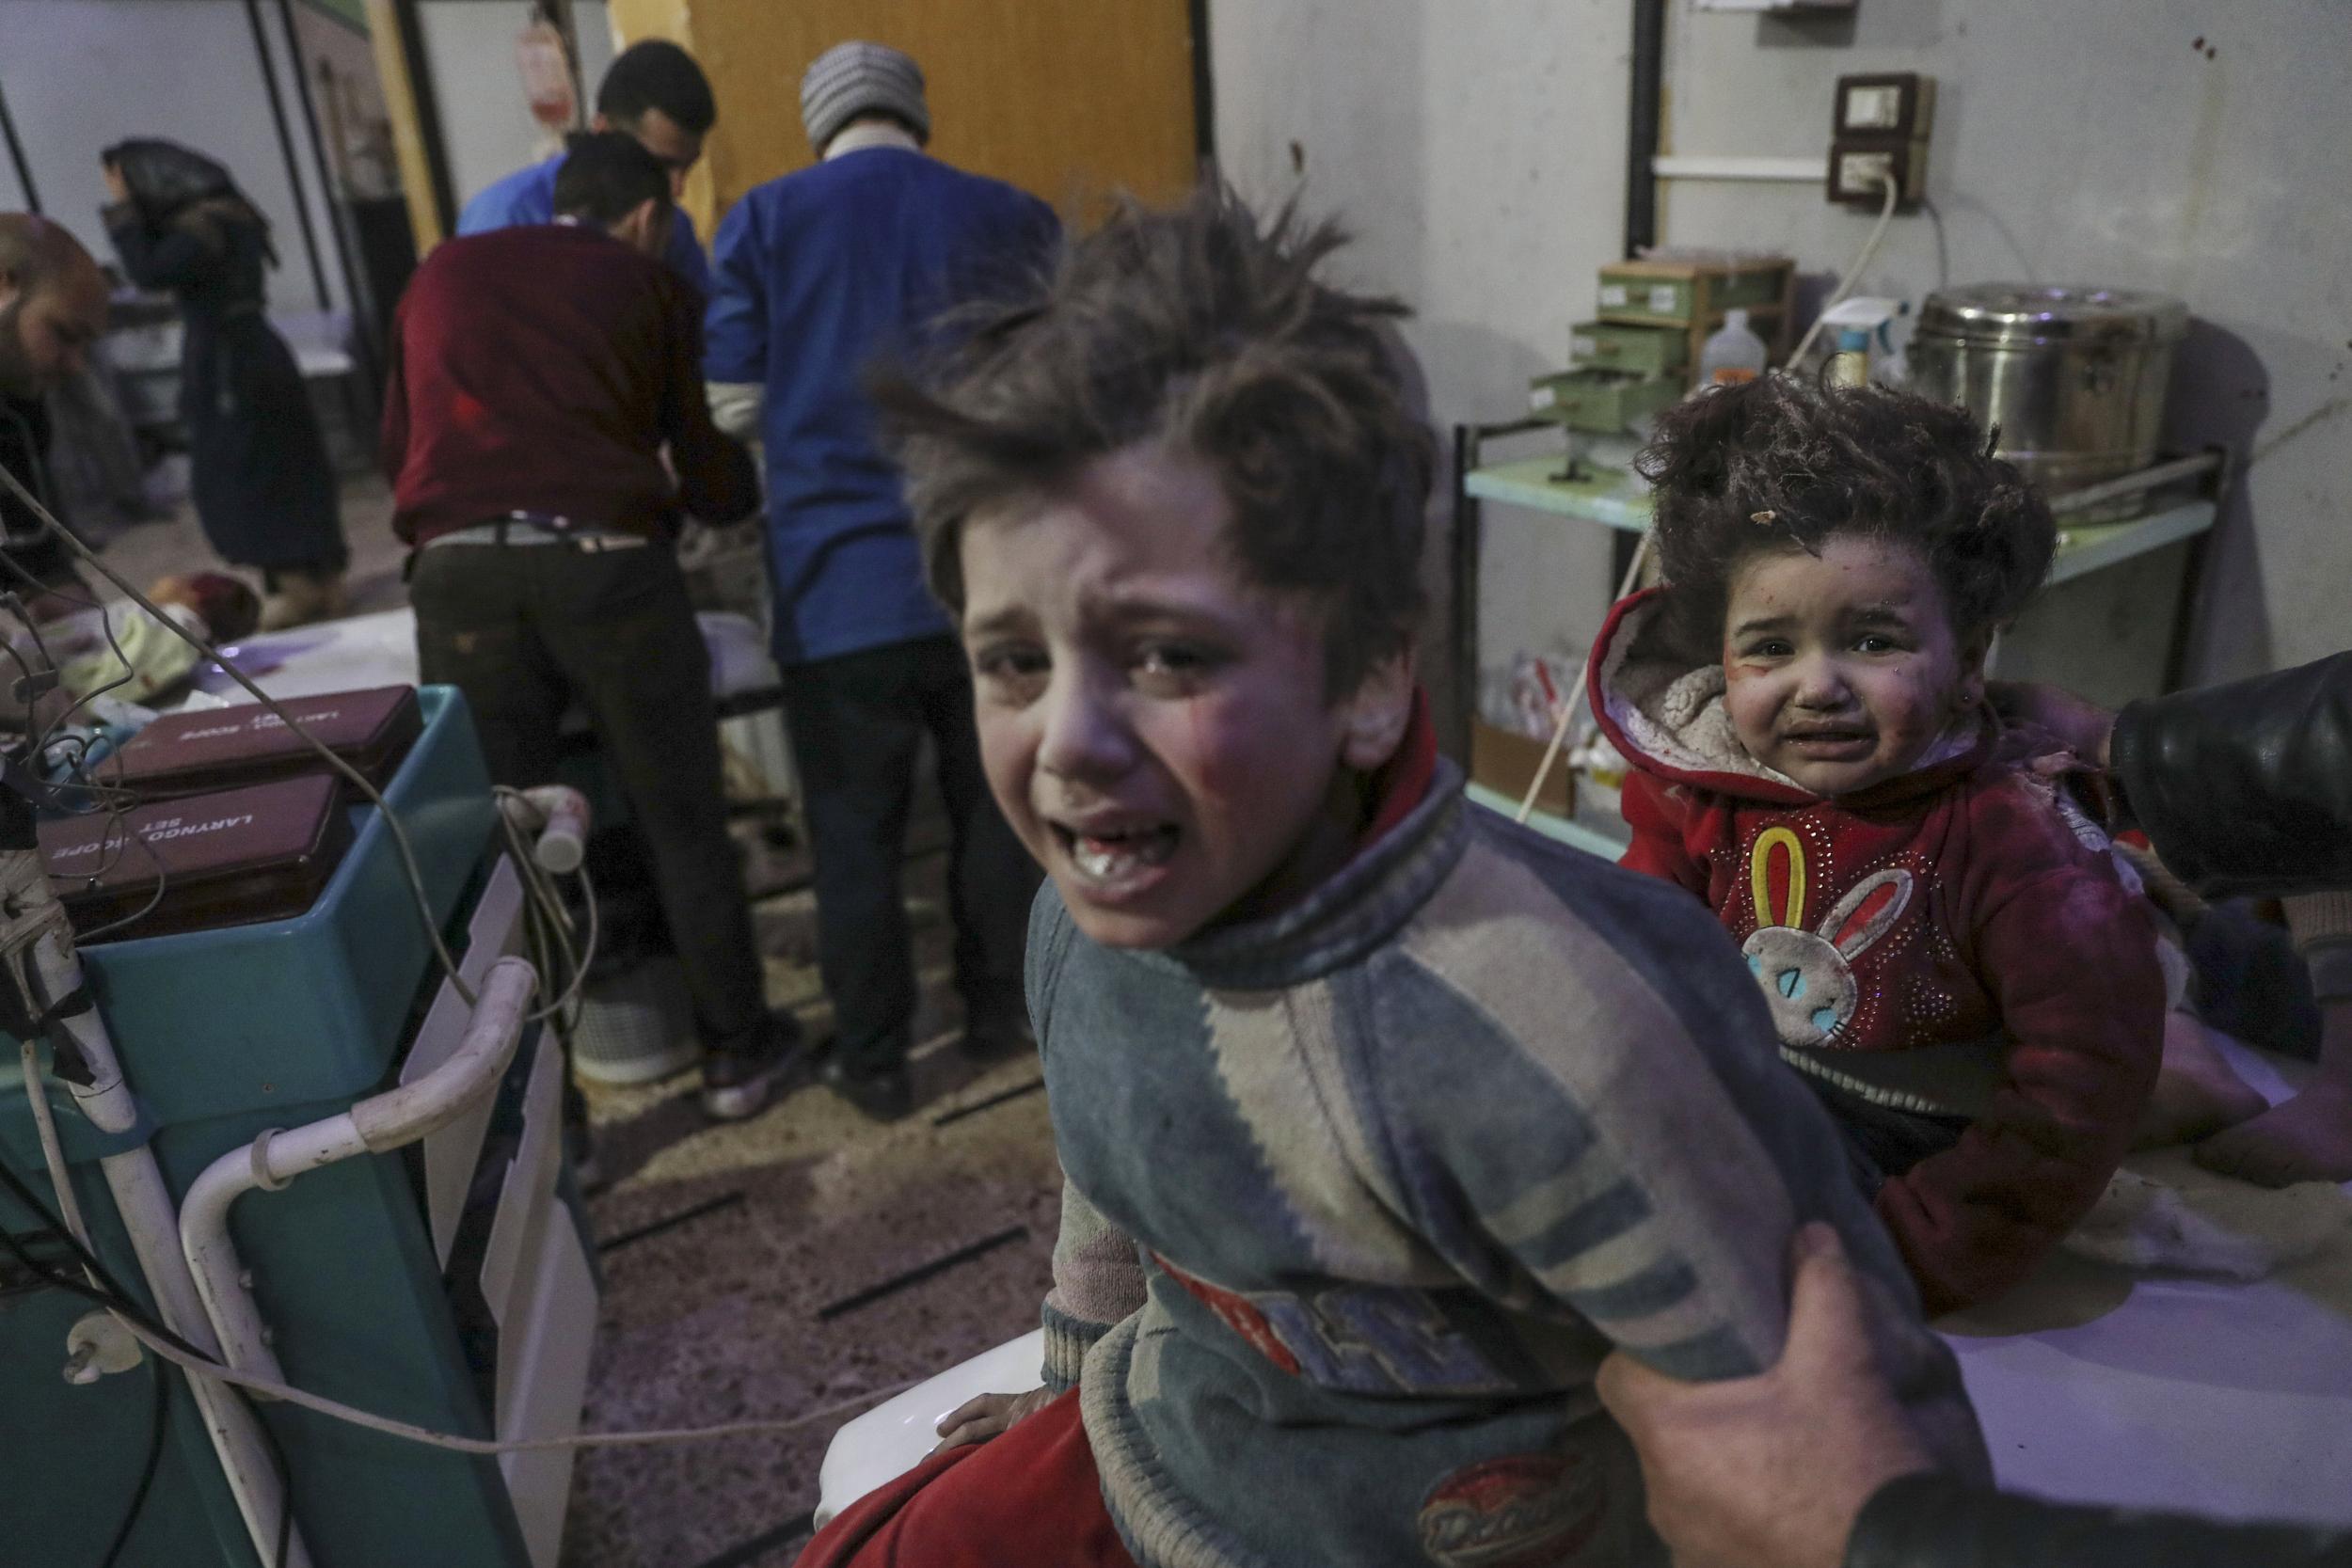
(1943, 255)
(570, 999)
(1854, 273)
(171, 1348)
(141, 1327)
(75, 1228)
(158, 1418)
(111, 798)
(114, 645)
(410, 870)
(551, 923)
(548, 928)
(107, 1292)
(154, 898)
(285, 1490)
(105, 625)
(11, 602)
(288, 1394)
(161, 1341)
(136, 1322)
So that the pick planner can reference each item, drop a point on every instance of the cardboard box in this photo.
(1505, 761)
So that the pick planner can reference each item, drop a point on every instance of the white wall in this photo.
(1476, 149)
(593, 42)
(83, 74)
(1478, 145)
(487, 128)
(2089, 141)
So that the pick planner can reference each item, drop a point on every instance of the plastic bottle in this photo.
(1733, 354)
(1891, 365)
(1850, 365)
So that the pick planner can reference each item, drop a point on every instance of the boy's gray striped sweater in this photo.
(1360, 1195)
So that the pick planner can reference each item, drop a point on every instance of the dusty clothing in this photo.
(1958, 969)
(1361, 1193)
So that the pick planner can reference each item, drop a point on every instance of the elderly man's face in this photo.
(46, 330)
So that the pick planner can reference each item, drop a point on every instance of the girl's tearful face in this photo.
(1843, 669)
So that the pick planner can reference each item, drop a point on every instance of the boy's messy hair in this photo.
(1201, 328)
(1772, 464)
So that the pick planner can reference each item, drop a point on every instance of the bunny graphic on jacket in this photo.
(1960, 978)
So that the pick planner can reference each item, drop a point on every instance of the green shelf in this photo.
(1615, 499)
(1577, 836)
(1612, 497)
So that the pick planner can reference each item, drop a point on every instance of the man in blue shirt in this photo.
(818, 275)
(656, 92)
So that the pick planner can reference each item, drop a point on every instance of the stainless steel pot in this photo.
(2074, 377)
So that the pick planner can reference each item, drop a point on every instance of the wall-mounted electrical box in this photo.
(1879, 133)
(1858, 167)
(1899, 103)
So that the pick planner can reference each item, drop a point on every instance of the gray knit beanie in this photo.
(852, 79)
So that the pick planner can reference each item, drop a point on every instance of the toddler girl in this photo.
(1944, 942)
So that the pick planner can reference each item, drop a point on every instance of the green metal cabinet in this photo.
(366, 1270)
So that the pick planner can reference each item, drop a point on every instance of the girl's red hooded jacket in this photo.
(1955, 941)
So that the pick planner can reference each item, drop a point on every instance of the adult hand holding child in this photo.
(1771, 1470)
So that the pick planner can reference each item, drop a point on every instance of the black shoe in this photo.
(884, 1096)
(740, 1083)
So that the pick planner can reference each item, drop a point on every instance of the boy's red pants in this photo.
(1028, 1499)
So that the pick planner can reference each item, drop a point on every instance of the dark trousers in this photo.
(1882, 1142)
(525, 630)
(857, 722)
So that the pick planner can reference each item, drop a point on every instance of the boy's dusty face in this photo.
(1842, 670)
(1154, 727)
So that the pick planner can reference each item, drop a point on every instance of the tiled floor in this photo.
(718, 1317)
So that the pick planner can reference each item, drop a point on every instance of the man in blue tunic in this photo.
(656, 92)
(819, 275)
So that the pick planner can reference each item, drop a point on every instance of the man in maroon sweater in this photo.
(537, 373)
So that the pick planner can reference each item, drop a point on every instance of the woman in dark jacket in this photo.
(263, 491)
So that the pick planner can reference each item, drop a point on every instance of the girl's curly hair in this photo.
(1770, 465)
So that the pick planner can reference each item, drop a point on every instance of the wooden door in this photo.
(1072, 100)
